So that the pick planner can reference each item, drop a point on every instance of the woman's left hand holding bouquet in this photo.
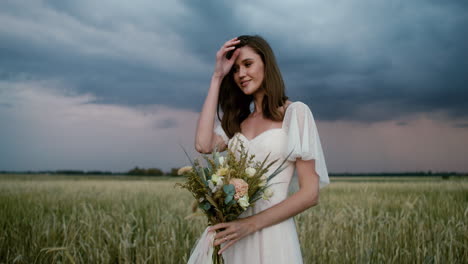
(233, 231)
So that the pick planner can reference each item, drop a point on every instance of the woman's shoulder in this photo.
(296, 105)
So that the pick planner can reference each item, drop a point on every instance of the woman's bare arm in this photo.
(306, 197)
(205, 138)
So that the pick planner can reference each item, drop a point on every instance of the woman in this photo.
(246, 71)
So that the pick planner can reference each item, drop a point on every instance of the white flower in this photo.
(201, 199)
(211, 185)
(216, 178)
(221, 161)
(220, 182)
(244, 202)
(215, 186)
(267, 194)
(250, 171)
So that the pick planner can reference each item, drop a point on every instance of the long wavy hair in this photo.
(235, 105)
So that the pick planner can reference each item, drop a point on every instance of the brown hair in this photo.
(235, 104)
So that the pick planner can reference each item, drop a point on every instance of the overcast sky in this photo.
(109, 85)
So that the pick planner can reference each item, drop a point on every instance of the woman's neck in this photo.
(258, 100)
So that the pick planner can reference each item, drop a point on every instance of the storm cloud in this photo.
(344, 58)
(351, 61)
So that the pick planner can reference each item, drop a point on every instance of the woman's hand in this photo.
(233, 231)
(223, 65)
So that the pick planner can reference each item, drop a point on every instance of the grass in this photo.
(122, 219)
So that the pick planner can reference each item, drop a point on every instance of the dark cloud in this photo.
(421, 69)
(380, 62)
(210, 24)
(461, 125)
(401, 123)
(6, 105)
(166, 123)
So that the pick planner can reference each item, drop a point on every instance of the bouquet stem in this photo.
(217, 258)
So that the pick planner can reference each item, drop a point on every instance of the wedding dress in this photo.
(278, 243)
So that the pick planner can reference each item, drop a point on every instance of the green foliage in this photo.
(207, 172)
(205, 206)
(229, 190)
(146, 172)
(173, 172)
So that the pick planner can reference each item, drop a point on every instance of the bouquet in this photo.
(224, 189)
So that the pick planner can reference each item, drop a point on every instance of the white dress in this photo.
(278, 243)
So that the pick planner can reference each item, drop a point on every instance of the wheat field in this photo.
(122, 219)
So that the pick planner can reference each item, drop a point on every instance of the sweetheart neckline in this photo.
(250, 140)
(282, 124)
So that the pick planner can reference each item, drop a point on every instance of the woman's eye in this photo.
(248, 64)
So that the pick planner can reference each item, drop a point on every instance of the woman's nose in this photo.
(242, 72)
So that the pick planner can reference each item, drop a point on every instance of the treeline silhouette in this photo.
(135, 171)
(173, 172)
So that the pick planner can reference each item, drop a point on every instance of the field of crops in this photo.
(68, 219)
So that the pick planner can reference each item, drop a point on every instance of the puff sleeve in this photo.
(220, 131)
(303, 139)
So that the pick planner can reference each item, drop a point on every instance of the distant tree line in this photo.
(173, 172)
(152, 172)
(135, 171)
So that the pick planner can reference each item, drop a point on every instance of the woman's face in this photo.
(248, 70)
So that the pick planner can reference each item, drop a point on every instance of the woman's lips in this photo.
(245, 83)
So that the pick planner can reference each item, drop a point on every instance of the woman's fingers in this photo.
(224, 239)
(223, 64)
(231, 40)
(235, 54)
(227, 48)
(231, 43)
(227, 246)
(218, 226)
(222, 234)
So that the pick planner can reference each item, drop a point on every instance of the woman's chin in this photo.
(245, 90)
(248, 90)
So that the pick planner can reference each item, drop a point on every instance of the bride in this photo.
(246, 72)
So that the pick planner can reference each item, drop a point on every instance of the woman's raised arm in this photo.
(205, 138)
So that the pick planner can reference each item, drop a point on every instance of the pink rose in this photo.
(241, 187)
